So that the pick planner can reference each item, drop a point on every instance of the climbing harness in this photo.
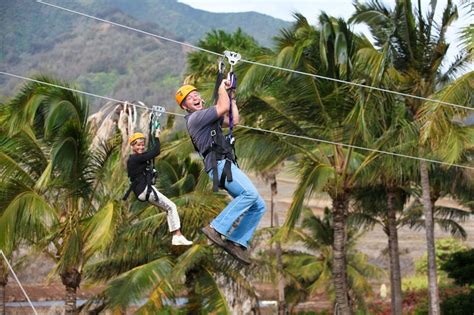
(150, 172)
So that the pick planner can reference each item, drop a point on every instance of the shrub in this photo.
(460, 267)
(461, 304)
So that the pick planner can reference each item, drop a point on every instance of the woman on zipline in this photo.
(141, 174)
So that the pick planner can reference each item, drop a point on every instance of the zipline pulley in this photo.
(156, 112)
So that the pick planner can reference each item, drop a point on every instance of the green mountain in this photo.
(107, 60)
(191, 24)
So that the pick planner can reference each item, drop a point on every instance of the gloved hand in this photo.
(157, 133)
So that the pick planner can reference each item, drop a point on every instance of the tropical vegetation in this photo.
(61, 188)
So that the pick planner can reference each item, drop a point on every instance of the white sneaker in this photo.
(180, 240)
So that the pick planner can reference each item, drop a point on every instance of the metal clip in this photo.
(159, 110)
(221, 65)
(232, 57)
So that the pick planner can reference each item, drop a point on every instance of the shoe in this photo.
(238, 252)
(180, 240)
(213, 235)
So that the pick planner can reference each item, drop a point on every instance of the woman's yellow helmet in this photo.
(135, 137)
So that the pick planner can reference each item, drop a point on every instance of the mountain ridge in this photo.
(124, 64)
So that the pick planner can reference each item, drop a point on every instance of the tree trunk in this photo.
(278, 251)
(281, 279)
(395, 274)
(70, 305)
(430, 241)
(3, 284)
(340, 205)
(71, 280)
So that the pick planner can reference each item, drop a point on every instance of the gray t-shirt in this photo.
(200, 123)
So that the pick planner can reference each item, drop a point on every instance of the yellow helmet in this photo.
(182, 92)
(136, 136)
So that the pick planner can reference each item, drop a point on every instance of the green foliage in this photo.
(107, 60)
(311, 271)
(102, 83)
(460, 266)
(444, 248)
(415, 283)
(191, 24)
(461, 304)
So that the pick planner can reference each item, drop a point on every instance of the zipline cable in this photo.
(18, 281)
(254, 62)
(248, 127)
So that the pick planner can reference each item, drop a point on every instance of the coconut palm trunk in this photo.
(340, 205)
(281, 281)
(71, 280)
(395, 274)
(430, 240)
(278, 251)
(281, 278)
(3, 284)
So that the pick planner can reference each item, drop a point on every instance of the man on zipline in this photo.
(141, 174)
(205, 128)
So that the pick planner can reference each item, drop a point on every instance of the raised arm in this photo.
(235, 114)
(222, 106)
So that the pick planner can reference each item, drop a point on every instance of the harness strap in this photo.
(149, 174)
(233, 87)
(219, 78)
(215, 174)
(226, 173)
(129, 190)
(149, 189)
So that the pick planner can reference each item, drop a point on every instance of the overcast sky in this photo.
(311, 8)
(283, 8)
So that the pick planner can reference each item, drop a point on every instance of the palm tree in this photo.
(416, 48)
(384, 205)
(156, 270)
(57, 178)
(270, 177)
(301, 105)
(380, 205)
(3, 284)
(454, 183)
(25, 215)
(311, 268)
(306, 107)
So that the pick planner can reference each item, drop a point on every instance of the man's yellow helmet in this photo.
(135, 137)
(182, 92)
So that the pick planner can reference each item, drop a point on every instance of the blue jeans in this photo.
(246, 203)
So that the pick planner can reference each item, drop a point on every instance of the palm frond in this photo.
(101, 228)
(139, 282)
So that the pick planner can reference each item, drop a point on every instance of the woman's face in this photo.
(138, 146)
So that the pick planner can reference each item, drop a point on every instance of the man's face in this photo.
(193, 101)
(138, 146)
